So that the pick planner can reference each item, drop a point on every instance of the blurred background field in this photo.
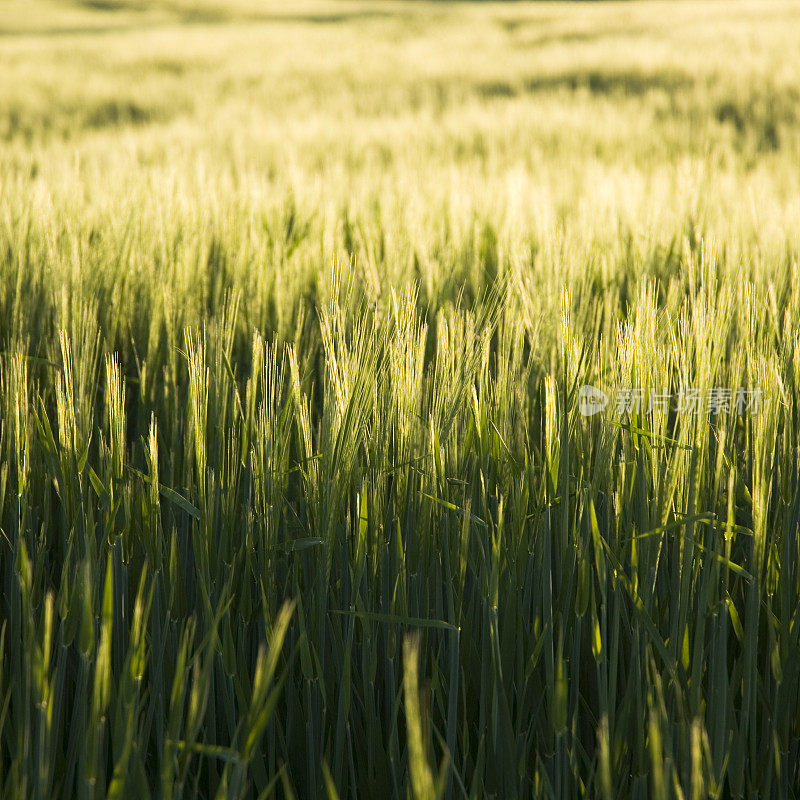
(572, 111)
(421, 120)
(294, 302)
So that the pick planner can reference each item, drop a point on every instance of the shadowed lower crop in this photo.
(296, 498)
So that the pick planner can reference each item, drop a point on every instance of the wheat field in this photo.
(300, 494)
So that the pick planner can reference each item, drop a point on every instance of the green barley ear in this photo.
(156, 531)
(16, 405)
(658, 784)
(697, 781)
(423, 784)
(604, 760)
(115, 414)
(551, 431)
(197, 429)
(264, 693)
(86, 636)
(102, 684)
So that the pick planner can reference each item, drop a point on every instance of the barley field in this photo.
(399, 399)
